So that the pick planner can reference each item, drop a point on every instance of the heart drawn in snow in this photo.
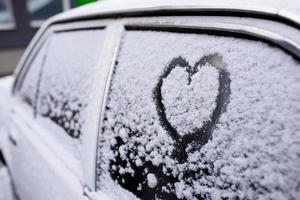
(190, 100)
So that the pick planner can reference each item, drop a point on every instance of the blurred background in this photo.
(19, 20)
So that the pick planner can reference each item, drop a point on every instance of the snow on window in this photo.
(29, 85)
(192, 116)
(69, 72)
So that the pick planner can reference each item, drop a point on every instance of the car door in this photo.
(52, 105)
(199, 110)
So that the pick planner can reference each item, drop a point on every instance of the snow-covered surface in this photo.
(66, 86)
(177, 93)
(291, 7)
(28, 89)
(288, 9)
(5, 95)
(69, 72)
(254, 151)
(253, 154)
(244, 23)
(38, 173)
(6, 192)
(66, 90)
(152, 180)
(6, 84)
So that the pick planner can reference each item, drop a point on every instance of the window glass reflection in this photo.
(43, 9)
(5, 14)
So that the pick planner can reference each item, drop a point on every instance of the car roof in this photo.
(287, 9)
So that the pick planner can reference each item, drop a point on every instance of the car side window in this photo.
(28, 89)
(66, 88)
(196, 116)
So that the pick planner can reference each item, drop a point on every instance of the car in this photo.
(157, 100)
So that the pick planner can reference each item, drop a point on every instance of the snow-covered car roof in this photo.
(288, 9)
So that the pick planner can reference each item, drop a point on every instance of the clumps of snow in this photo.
(28, 89)
(152, 181)
(60, 87)
(181, 98)
(254, 151)
(6, 191)
(67, 76)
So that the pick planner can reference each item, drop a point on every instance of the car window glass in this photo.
(29, 85)
(5, 13)
(67, 87)
(195, 116)
(43, 9)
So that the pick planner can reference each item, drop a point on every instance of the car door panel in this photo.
(37, 172)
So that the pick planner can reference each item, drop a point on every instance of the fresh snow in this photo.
(177, 93)
(5, 94)
(152, 181)
(254, 151)
(64, 93)
(66, 87)
(6, 192)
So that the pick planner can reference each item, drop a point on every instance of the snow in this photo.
(65, 88)
(46, 174)
(65, 97)
(5, 94)
(179, 105)
(290, 7)
(28, 89)
(253, 152)
(31, 170)
(65, 92)
(6, 192)
(152, 181)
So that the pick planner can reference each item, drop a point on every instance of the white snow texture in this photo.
(254, 151)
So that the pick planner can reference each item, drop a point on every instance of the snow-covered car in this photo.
(157, 100)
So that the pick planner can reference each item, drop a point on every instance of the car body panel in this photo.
(31, 163)
(37, 172)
